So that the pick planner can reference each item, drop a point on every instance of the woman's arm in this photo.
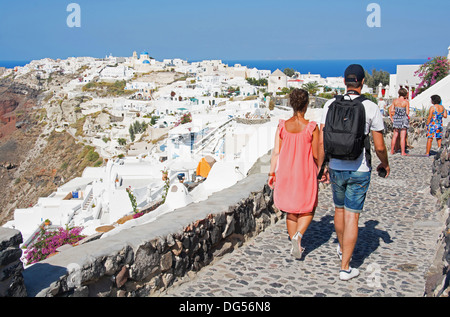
(274, 158)
(430, 114)
(315, 146)
(391, 112)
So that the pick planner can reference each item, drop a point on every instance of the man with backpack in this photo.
(345, 145)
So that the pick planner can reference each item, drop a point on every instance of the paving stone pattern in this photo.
(396, 245)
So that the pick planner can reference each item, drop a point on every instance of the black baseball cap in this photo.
(355, 70)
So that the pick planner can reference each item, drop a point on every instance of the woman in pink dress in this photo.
(293, 169)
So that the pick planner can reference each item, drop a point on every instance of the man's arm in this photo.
(321, 157)
(381, 151)
(321, 151)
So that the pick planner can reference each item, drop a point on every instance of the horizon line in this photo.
(234, 59)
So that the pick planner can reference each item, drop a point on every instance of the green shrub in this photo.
(98, 163)
(92, 156)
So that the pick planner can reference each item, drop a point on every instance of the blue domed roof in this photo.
(144, 53)
(146, 62)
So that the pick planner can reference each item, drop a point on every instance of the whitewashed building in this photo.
(277, 81)
(119, 72)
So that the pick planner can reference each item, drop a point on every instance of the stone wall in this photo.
(437, 283)
(145, 260)
(11, 279)
(252, 121)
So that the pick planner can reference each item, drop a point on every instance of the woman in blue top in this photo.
(434, 123)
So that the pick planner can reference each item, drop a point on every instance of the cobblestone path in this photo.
(398, 231)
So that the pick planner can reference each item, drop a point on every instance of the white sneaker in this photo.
(339, 252)
(296, 250)
(346, 275)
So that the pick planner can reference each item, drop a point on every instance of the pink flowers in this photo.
(137, 215)
(48, 241)
(185, 118)
(431, 72)
(132, 199)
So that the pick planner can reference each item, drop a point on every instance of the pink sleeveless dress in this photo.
(296, 186)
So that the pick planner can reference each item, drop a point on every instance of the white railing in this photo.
(202, 144)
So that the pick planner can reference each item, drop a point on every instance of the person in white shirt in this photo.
(350, 179)
(382, 106)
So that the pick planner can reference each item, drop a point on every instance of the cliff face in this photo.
(34, 159)
(7, 107)
(16, 102)
(438, 277)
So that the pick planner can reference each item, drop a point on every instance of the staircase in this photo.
(209, 143)
(88, 203)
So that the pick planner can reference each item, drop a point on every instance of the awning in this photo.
(204, 167)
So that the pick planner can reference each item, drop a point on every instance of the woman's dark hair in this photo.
(299, 99)
(402, 92)
(436, 100)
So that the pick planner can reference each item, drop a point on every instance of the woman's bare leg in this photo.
(403, 141)
(394, 140)
(298, 223)
(429, 143)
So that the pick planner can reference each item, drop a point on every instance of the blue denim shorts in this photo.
(349, 189)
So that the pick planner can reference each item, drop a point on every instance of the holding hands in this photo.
(271, 181)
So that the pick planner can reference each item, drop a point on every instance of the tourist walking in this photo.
(382, 106)
(400, 120)
(350, 176)
(434, 123)
(293, 169)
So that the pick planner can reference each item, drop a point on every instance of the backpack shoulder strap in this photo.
(361, 98)
(339, 97)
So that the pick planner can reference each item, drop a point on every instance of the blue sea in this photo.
(12, 64)
(326, 68)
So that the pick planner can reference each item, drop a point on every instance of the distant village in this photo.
(170, 132)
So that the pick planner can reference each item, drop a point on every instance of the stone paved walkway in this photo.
(396, 245)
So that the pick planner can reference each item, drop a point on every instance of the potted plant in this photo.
(47, 222)
(165, 174)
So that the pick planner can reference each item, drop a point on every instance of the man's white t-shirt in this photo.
(382, 104)
(374, 122)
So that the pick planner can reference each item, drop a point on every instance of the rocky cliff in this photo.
(34, 158)
(438, 279)
(12, 283)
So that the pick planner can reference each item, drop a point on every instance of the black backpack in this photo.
(344, 131)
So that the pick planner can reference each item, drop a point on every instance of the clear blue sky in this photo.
(227, 30)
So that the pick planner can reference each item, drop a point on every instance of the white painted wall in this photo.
(441, 88)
